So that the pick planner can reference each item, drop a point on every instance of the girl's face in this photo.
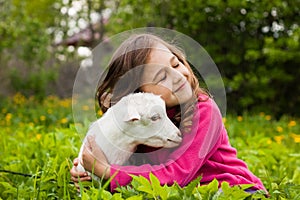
(165, 75)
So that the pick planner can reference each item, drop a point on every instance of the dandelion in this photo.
(240, 118)
(64, 120)
(268, 117)
(8, 117)
(50, 111)
(38, 136)
(43, 118)
(292, 123)
(100, 113)
(278, 138)
(19, 99)
(295, 137)
(66, 103)
(279, 129)
(269, 141)
(85, 108)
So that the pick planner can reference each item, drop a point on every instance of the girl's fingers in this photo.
(75, 162)
(82, 179)
(76, 173)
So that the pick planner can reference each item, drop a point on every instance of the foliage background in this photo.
(255, 44)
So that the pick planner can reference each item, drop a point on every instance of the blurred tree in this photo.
(32, 39)
(254, 43)
(26, 43)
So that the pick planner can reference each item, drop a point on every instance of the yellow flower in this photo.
(49, 111)
(240, 118)
(261, 114)
(269, 141)
(295, 137)
(43, 118)
(85, 108)
(19, 98)
(100, 113)
(292, 123)
(224, 120)
(65, 103)
(8, 117)
(64, 120)
(278, 138)
(279, 129)
(38, 136)
(268, 117)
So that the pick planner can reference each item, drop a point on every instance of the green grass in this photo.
(39, 138)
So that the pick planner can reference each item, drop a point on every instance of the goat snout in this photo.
(173, 141)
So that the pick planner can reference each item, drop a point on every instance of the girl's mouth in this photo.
(180, 87)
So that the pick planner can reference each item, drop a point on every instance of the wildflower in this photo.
(240, 118)
(279, 129)
(85, 108)
(19, 99)
(268, 117)
(49, 111)
(278, 138)
(38, 136)
(269, 141)
(224, 119)
(66, 103)
(64, 120)
(8, 117)
(43, 118)
(100, 113)
(292, 123)
(295, 137)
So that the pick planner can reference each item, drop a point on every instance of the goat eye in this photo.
(155, 117)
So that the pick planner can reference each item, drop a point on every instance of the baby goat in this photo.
(138, 118)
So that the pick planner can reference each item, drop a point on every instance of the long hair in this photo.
(132, 53)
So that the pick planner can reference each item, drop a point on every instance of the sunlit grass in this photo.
(40, 138)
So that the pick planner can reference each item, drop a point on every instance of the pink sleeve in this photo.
(183, 164)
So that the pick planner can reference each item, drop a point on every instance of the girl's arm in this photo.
(184, 163)
(97, 164)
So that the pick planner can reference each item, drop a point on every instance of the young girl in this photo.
(205, 149)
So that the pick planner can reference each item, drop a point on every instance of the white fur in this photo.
(138, 118)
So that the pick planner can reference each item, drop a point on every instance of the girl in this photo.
(146, 63)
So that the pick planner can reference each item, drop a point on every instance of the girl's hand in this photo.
(75, 175)
(94, 159)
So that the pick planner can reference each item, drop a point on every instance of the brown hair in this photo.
(135, 52)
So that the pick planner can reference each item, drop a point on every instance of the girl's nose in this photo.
(177, 76)
(181, 72)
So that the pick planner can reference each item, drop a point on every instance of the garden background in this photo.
(255, 45)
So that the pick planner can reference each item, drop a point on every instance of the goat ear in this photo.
(132, 115)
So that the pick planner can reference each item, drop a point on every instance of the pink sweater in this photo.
(204, 151)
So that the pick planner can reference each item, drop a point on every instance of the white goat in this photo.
(138, 118)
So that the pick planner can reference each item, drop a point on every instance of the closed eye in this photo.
(176, 65)
(162, 77)
(155, 117)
